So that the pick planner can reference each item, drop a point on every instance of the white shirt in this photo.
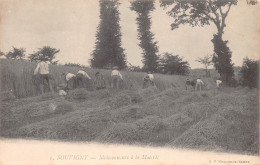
(42, 68)
(199, 81)
(62, 93)
(69, 76)
(84, 73)
(151, 76)
(116, 73)
(218, 82)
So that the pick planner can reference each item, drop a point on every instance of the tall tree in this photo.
(204, 12)
(146, 37)
(108, 51)
(16, 53)
(48, 53)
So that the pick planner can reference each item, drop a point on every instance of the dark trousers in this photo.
(47, 78)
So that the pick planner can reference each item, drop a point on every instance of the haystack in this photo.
(198, 111)
(128, 113)
(78, 125)
(120, 133)
(177, 120)
(100, 94)
(119, 100)
(151, 129)
(78, 95)
(147, 92)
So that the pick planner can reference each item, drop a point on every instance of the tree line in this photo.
(46, 52)
(108, 51)
(108, 48)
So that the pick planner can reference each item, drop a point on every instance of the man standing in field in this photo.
(83, 79)
(199, 83)
(116, 77)
(43, 69)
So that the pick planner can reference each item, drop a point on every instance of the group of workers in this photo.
(82, 79)
(72, 81)
(197, 84)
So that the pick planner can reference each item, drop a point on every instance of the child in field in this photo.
(43, 69)
(116, 77)
(199, 83)
(99, 81)
(83, 79)
(71, 80)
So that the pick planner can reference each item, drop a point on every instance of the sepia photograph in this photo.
(129, 81)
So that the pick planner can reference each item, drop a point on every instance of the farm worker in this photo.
(70, 79)
(148, 80)
(199, 83)
(82, 78)
(218, 82)
(43, 69)
(188, 84)
(116, 77)
(99, 81)
(150, 76)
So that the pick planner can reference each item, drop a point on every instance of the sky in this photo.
(71, 26)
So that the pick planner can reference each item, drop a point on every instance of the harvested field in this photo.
(209, 120)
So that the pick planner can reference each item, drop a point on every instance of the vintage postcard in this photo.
(129, 82)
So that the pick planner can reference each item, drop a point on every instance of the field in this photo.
(221, 120)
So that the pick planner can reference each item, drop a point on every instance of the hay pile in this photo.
(208, 134)
(100, 94)
(119, 100)
(177, 120)
(174, 93)
(151, 129)
(199, 111)
(34, 112)
(73, 126)
(147, 92)
(192, 97)
(128, 113)
(78, 95)
(120, 133)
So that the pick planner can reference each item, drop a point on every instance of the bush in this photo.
(249, 73)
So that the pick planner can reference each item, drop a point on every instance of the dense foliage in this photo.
(204, 12)
(170, 64)
(146, 37)
(108, 51)
(249, 73)
(45, 53)
(15, 53)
